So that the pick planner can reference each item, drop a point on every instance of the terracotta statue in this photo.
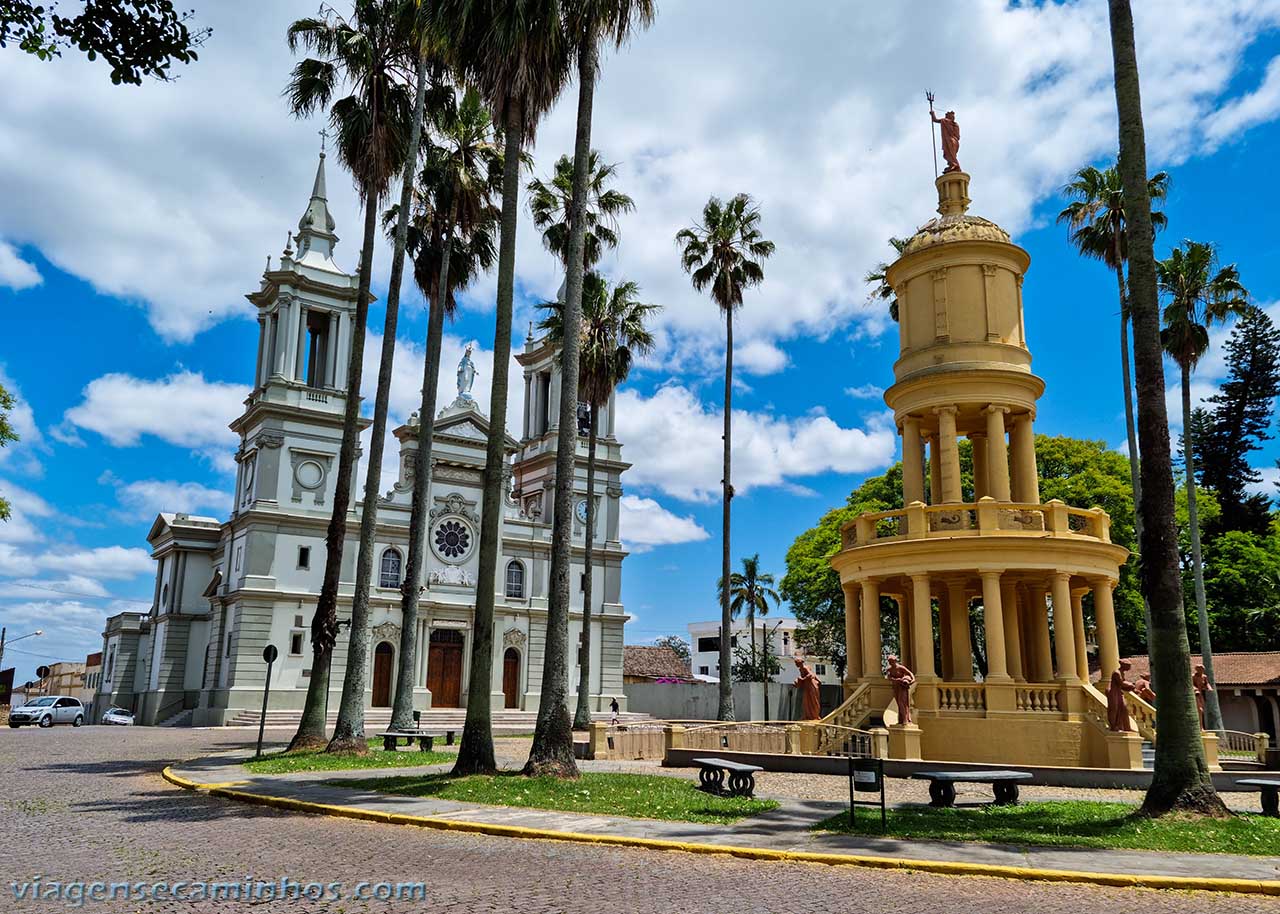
(901, 679)
(1200, 682)
(1142, 688)
(810, 692)
(950, 139)
(1117, 713)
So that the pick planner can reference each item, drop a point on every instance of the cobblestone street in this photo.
(90, 805)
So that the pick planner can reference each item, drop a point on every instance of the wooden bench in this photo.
(1270, 788)
(391, 738)
(742, 778)
(942, 789)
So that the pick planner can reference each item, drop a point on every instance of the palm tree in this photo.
(586, 23)
(514, 52)
(614, 332)
(1181, 778)
(348, 730)
(451, 242)
(1096, 219)
(751, 590)
(363, 55)
(1201, 294)
(880, 278)
(723, 253)
(551, 203)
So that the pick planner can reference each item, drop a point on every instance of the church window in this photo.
(453, 539)
(295, 643)
(304, 557)
(544, 402)
(316, 371)
(389, 570)
(515, 580)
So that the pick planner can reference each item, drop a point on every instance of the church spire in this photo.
(315, 228)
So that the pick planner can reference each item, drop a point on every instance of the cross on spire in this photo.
(324, 136)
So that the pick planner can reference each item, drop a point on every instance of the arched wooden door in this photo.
(383, 657)
(444, 668)
(511, 678)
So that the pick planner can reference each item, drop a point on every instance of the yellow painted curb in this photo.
(938, 867)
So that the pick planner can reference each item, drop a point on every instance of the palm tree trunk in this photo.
(1181, 777)
(1212, 713)
(348, 730)
(725, 711)
(324, 624)
(1131, 433)
(582, 715)
(411, 589)
(475, 754)
(552, 750)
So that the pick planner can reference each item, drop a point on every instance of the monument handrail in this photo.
(986, 517)
(1143, 716)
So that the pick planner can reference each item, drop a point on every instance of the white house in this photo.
(224, 589)
(704, 639)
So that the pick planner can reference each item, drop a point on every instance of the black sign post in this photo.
(269, 654)
(866, 775)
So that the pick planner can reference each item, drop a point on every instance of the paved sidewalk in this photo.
(785, 829)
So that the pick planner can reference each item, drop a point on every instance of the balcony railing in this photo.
(986, 518)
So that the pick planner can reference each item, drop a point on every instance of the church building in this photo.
(225, 589)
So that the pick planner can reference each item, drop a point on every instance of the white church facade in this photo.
(226, 589)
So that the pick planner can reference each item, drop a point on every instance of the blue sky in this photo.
(136, 219)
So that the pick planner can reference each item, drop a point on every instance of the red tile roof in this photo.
(1242, 669)
(652, 662)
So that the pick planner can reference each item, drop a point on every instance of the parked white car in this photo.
(48, 710)
(120, 717)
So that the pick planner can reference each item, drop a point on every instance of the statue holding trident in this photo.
(466, 376)
(950, 138)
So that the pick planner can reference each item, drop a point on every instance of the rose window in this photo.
(452, 539)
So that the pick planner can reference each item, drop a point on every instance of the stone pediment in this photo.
(469, 425)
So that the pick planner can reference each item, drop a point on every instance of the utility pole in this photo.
(2, 632)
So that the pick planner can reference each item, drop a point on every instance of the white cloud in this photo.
(865, 392)
(189, 184)
(15, 272)
(145, 498)
(673, 442)
(1238, 115)
(25, 506)
(644, 524)
(182, 409)
(21, 455)
(106, 562)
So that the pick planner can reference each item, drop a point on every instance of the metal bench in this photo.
(942, 789)
(1270, 788)
(742, 778)
(391, 738)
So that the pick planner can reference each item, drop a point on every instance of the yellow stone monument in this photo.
(964, 369)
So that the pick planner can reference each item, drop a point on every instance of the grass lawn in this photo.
(286, 763)
(1072, 824)
(644, 796)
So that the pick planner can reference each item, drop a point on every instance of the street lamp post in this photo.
(35, 634)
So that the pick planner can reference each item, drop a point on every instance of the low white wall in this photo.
(701, 700)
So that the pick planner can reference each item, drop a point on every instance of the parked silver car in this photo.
(120, 717)
(48, 710)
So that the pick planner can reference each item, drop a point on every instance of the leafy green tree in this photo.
(1181, 780)
(615, 329)
(136, 38)
(723, 253)
(450, 238)
(879, 278)
(1201, 294)
(515, 53)
(1243, 584)
(7, 434)
(1241, 420)
(755, 664)
(1099, 230)
(362, 55)
(676, 645)
(587, 23)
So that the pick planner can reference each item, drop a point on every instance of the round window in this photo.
(452, 540)
(309, 474)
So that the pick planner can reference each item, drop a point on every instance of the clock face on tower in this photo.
(581, 511)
